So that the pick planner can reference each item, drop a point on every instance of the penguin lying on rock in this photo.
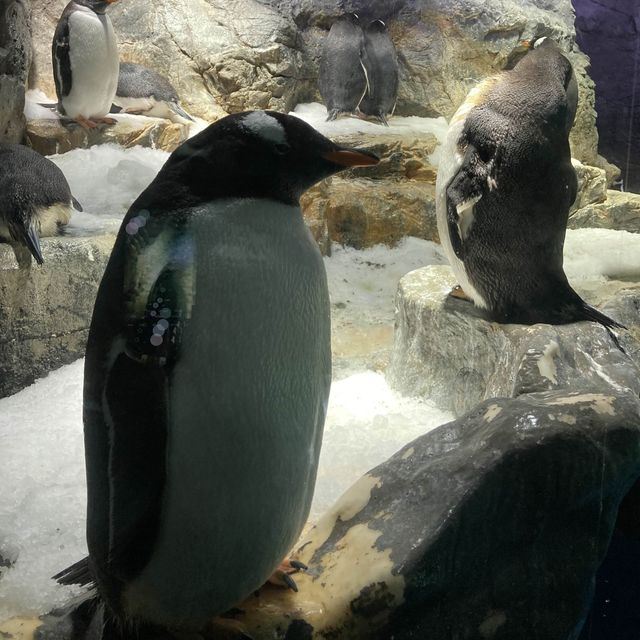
(207, 375)
(35, 201)
(505, 184)
(85, 62)
(144, 91)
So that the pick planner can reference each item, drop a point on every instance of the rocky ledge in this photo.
(45, 312)
(446, 350)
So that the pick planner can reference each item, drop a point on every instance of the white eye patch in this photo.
(265, 126)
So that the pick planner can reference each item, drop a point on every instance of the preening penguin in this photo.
(207, 374)
(143, 90)
(342, 76)
(35, 201)
(504, 188)
(85, 62)
(382, 72)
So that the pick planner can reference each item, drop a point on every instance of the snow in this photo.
(106, 179)
(315, 114)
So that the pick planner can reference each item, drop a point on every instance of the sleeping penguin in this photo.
(504, 188)
(207, 375)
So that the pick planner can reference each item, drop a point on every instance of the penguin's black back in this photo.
(28, 181)
(138, 81)
(382, 70)
(342, 81)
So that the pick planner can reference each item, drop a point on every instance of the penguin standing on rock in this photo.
(85, 62)
(504, 188)
(207, 375)
(382, 72)
(343, 76)
(35, 201)
(144, 91)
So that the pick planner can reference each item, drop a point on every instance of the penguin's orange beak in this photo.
(351, 158)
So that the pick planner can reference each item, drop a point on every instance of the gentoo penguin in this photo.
(142, 90)
(504, 188)
(382, 72)
(207, 374)
(35, 201)
(85, 62)
(342, 77)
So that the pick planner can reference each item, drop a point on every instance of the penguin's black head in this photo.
(99, 6)
(261, 154)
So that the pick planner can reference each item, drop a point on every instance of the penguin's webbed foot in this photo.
(458, 292)
(332, 115)
(281, 577)
(105, 120)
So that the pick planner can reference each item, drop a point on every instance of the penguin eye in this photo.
(282, 148)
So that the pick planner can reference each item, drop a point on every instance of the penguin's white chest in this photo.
(93, 55)
(247, 397)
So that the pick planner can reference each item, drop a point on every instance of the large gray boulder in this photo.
(15, 61)
(45, 311)
(446, 350)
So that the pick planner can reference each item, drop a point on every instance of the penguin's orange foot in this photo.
(281, 577)
(105, 120)
(458, 292)
(85, 123)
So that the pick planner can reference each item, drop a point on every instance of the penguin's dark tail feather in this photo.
(77, 573)
(76, 204)
(591, 313)
(333, 114)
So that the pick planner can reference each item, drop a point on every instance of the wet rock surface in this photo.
(50, 136)
(15, 61)
(446, 350)
(45, 312)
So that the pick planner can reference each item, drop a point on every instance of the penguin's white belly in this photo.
(147, 106)
(93, 55)
(244, 432)
(450, 161)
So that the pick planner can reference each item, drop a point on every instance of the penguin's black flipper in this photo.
(60, 58)
(468, 185)
(32, 240)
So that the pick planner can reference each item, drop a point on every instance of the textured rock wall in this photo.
(15, 61)
(45, 312)
(242, 54)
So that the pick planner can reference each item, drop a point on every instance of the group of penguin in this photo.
(208, 362)
(359, 69)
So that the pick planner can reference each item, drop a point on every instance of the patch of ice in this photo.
(106, 179)
(605, 253)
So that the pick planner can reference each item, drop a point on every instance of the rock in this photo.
(434, 542)
(15, 61)
(45, 312)
(228, 57)
(619, 211)
(445, 350)
(49, 136)
(381, 204)
(592, 185)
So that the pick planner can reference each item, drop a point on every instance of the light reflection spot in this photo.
(156, 340)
